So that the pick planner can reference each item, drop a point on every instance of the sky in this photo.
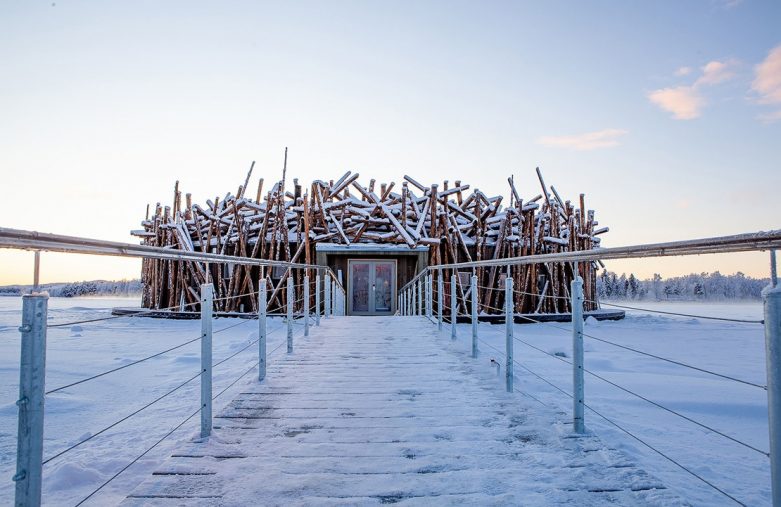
(667, 115)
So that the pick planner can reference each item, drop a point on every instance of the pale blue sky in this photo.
(103, 105)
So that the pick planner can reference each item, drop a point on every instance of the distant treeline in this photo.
(703, 286)
(76, 289)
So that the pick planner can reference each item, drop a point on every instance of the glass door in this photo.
(372, 287)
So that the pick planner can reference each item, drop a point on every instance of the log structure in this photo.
(455, 222)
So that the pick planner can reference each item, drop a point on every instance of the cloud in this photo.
(767, 82)
(606, 138)
(685, 102)
(683, 71)
(716, 72)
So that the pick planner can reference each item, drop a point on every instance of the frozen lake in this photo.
(735, 349)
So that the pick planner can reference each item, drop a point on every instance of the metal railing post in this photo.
(414, 298)
(32, 376)
(290, 300)
(453, 306)
(262, 304)
(474, 316)
(428, 296)
(509, 321)
(317, 299)
(440, 291)
(37, 271)
(327, 289)
(772, 297)
(420, 296)
(578, 413)
(207, 302)
(306, 305)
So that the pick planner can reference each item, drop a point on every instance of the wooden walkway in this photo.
(379, 410)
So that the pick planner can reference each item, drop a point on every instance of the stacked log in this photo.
(456, 223)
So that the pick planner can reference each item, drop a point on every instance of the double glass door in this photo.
(372, 287)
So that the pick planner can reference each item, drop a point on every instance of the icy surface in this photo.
(552, 463)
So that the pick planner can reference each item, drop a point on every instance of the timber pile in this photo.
(285, 224)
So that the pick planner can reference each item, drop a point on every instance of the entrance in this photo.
(371, 287)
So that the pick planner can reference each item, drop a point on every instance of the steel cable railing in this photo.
(624, 430)
(172, 431)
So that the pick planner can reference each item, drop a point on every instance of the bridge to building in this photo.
(377, 410)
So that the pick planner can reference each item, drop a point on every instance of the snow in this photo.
(736, 349)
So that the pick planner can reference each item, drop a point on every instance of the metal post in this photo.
(509, 321)
(578, 414)
(772, 296)
(290, 300)
(317, 299)
(32, 376)
(334, 297)
(306, 305)
(453, 307)
(327, 288)
(414, 299)
(773, 269)
(207, 302)
(428, 296)
(474, 316)
(440, 291)
(420, 296)
(262, 303)
(37, 271)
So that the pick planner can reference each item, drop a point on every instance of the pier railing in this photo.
(449, 293)
(310, 292)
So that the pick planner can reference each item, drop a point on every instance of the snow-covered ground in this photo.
(77, 352)
(734, 349)
(739, 410)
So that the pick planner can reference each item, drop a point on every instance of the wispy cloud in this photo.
(606, 138)
(716, 72)
(767, 83)
(686, 102)
(683, 71)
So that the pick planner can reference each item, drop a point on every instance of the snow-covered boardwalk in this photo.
(374, 410)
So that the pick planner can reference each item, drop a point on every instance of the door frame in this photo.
(371, 260)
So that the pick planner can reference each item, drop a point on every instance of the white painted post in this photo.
(453, 306)
(262, 335)
(207, 302)
(509, 321)
(317, 299)
(772, 297)
(474, 316)
(306, 305)
(32, 376)
(440, 291)
(327, 288)
(578, 413)
(291, 292)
